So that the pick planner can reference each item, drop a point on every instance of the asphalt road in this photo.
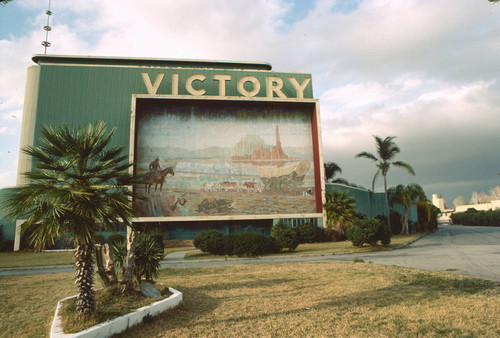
(472, 251)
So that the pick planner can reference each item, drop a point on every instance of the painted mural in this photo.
(215, 158)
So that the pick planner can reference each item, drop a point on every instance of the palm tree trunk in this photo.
(128, 277)
(404, 229)
(387, 207)
(84, 274)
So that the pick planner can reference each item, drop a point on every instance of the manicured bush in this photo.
(228, 243)
(286, 236)
(274, 245)
(210, 241)
(478, 218)
(251, 244)
(368, 231)
(309, 233)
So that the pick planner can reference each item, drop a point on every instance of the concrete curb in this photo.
(120, 324)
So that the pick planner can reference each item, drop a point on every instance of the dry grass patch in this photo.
(287, 299)
(28, 303)
(325, 299)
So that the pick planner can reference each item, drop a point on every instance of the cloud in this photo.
(425, 71)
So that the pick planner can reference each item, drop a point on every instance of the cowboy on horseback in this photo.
(154, 167)
(156, 175)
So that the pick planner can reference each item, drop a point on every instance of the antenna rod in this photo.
(47, 29)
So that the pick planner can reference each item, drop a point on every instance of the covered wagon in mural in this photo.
(287, 179)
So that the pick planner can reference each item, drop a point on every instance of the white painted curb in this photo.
(120, 324)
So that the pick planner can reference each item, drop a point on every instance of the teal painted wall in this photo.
(85, 94)
(8, 226)
(372, 204)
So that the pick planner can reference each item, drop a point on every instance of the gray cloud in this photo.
(425, 71)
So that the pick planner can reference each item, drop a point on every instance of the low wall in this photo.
(371, 204)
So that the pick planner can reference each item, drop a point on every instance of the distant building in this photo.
(439, 202)
(493, 205)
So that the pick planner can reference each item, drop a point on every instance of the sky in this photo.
(425, 71)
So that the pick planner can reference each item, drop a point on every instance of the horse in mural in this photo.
(157, 178)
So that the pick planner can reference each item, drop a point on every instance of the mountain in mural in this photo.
(258, 151)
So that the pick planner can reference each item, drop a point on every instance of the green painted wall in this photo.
(8, 225)
(82, 94)
(371, 204)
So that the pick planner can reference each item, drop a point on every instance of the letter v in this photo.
(152, 88)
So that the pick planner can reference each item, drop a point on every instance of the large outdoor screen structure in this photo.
(226, 158)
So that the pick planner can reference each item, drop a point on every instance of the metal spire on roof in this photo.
(47, 29)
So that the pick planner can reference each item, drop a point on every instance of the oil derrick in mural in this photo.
(264, 156)
(275, 175)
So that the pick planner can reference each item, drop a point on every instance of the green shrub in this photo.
(251, 244)
(309, 233)
(286, 236)
(228, 241)
(6, 245)
(149, 254)
(115, 238)
(475, 217)
(280, 226)
(275, 245)
(119, 249)
(209, 241)
(98, 239)
(369, 231)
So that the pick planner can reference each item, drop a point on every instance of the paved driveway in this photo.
(467, 250)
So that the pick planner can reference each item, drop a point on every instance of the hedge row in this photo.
(245, 244)
(475, 217)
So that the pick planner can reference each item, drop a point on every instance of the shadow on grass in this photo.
(199, 308)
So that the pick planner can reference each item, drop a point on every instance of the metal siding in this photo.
(372, 204)
(85, 94)
(8, 225)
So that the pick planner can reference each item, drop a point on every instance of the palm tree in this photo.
(409, 195)
(331, 170)
(78, 184)
(340, 211)
(386, 150)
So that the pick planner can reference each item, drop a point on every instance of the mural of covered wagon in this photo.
(287, 179)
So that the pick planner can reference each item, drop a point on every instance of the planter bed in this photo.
(119, 324)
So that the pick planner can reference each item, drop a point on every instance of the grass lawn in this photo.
(325, 247)
(27, 258)
(289, 299)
